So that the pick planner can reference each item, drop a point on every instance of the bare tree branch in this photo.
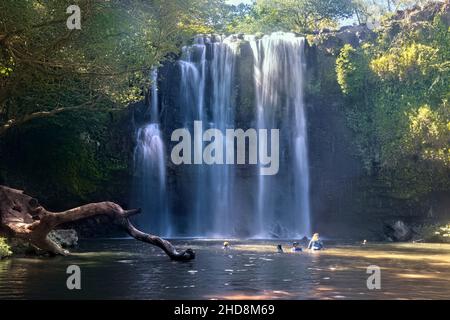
(22, 217)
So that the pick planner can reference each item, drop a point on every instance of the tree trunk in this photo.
(22, 217)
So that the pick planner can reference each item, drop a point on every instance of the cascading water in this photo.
(214, 107)
(150, 171)
(279, 68)
(154, 113)
(222, 108)
(222, 200)
(193, 70)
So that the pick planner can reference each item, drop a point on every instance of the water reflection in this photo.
(126, 269)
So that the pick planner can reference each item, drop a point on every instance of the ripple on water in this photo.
(126, 261)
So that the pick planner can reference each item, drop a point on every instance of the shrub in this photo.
(5, 250)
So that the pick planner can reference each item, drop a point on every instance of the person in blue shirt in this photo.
(296, 247)
(315, 243)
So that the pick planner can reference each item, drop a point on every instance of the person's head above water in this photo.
(226, 244)
(315, 237)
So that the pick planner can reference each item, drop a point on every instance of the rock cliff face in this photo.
(346, 201)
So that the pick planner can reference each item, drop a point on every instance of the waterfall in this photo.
(206, 86)
(192, 96)
(278, 73)
(150, 171)
(222, 107)
(154, 113)
(212, 185)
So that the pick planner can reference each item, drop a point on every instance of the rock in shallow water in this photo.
(66, 238)
(398, 231)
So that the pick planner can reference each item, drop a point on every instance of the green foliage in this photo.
(292, 15)
(5, 250)
(436, 233)
(6, 67)
(61, 91)
(351, 69)
(356, 81)
(378, 10)
(444, 231)
(429, 134)
(71, 158)
(397, 92)
(44, 66)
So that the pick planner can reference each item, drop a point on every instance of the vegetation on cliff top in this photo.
(292, 15)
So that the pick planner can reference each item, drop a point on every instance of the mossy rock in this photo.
(65, 238)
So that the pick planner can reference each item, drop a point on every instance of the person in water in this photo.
(296, 247)
(226, 245)
(315, 243)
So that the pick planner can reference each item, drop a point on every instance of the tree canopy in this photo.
(45, 68)
(293, 15)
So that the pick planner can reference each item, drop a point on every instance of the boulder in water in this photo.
(65, 238)
(397, 231)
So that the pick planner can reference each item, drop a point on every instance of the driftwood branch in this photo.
(22, 217)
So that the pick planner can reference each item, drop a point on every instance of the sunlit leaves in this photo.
(404, 62)
(5, 249)
(351, 69)
(43, 65)
(6, 66)
(293, 15)
(397, 91)
(429, 133)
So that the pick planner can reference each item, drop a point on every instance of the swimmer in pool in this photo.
(296, 247)
(315, 243)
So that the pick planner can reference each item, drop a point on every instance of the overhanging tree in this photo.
(46, 69)
(22, 217)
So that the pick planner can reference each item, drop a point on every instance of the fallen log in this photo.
(22, 217)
